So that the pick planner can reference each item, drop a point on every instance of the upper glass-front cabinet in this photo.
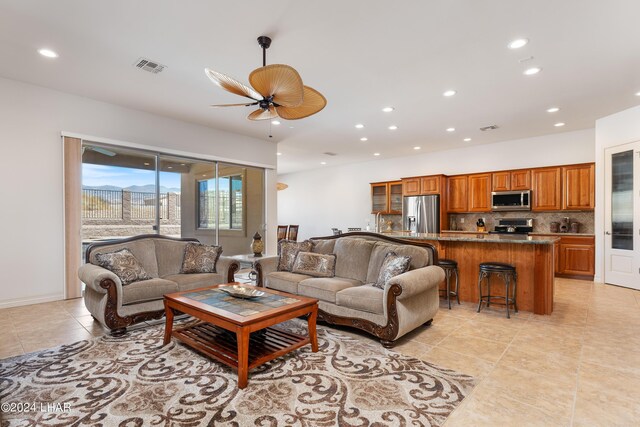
(386, 197)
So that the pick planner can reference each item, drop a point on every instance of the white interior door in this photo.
(622, 215)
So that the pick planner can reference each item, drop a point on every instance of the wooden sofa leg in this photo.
(387, 343)
(118, 332)
(428, 322)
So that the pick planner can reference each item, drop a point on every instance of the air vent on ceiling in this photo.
(329, 153)
(149, 65)
(486, 128)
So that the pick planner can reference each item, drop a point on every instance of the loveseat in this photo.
(116, 306)
(349, 298)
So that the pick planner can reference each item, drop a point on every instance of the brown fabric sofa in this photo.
(116, 306)
(407, 301)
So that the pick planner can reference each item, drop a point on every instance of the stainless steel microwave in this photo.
(511, 200)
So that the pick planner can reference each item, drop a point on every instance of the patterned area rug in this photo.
(134, 381)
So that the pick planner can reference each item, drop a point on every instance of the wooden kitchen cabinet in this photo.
(479, 191)
(521, 180)
(386, 197)
(430, 184)
(577, 256)
(501, 181)
(511, 180)
(457, 194)
(411, 186)
(547, 189)
(578, 187)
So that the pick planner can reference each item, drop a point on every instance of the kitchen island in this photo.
(533, 257)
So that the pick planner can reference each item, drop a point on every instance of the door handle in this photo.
(608, 233)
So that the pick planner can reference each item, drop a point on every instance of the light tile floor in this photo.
(580, 366)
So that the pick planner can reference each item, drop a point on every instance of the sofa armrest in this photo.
(91, 275)
(228, 266)
(265, 266)
(416, 281)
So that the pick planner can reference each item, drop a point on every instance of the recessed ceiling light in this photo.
(531, 71)
(204, 174)
(393, 127)
(323, 163)
(169, 167)
(388, 109)
(637, 93)
(278, 154)
(417, 148)
(183, 164)
(553, 110)
(147, 163)
(275, 122)
(359, 126)
(449, 93)
(467, 139)
(518, 43)
(48, 53)
(559, 124)
(376, 154)
(363, 139)
(290, 127)
(451, 129)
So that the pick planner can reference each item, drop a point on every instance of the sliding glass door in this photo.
(130, 192)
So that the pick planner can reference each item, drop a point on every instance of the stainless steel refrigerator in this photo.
(421, 214)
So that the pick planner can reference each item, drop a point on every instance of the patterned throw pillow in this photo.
(124, 265)
(393, 265)
(288, 251)
(316, 265)
(199, 258)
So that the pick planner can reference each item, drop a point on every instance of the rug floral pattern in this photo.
(134, 381)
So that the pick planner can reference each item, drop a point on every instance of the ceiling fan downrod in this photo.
(264, 43)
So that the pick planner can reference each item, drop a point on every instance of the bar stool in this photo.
(450, 267)
(509, 276)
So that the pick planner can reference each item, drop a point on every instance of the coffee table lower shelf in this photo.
(222, 345)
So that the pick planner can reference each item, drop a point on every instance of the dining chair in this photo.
(293, 233)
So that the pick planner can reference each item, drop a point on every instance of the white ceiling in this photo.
(362, 55)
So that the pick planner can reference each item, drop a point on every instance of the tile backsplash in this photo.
(541, 220)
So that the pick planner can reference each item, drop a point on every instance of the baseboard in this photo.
(17, 302)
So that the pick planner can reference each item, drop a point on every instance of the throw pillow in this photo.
(288, 251)
(124, 265)
(316, 265)
(199, 258)
(393, 265)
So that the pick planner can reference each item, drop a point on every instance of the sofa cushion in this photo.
(420, 257)
(316, 265)
(147, 290)
(324, 246)
(392, 266)
(124, 265)
(169, 254)
(288, 251)
(366, 298)
(325, 288)
(199, 258)
(284, 281)
(144, 250)
(353, 258)
(186, 282)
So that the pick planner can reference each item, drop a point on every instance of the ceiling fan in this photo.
(276, 89)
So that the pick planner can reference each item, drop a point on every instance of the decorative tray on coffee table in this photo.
(240, 291)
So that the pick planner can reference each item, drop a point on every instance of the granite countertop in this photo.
(477, 237)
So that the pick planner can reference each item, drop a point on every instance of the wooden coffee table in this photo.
(230, 327)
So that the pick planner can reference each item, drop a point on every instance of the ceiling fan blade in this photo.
(261, 114)
(280, 81)
(313, 103)
(234, 105)
(229, 84)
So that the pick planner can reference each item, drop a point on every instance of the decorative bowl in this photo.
(239, 291)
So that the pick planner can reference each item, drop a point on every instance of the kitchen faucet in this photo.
(377, 222)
